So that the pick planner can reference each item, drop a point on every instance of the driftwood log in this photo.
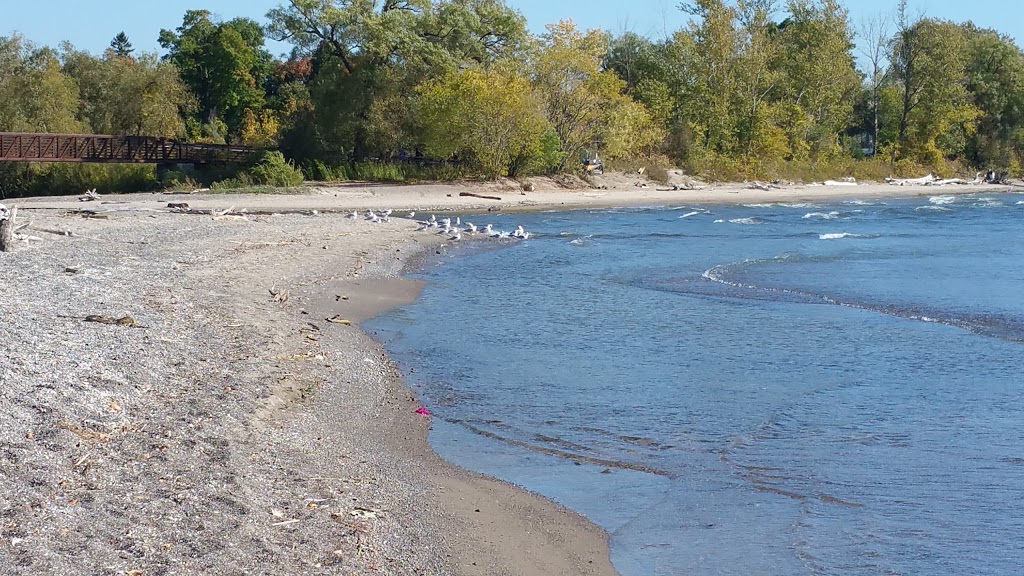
(7, 228)
(479, 196)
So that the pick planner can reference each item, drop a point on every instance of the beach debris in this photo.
(178, 206)
(126, 321)
(279, 295)
(229, 214)
(7, 222)
(364, 512)
(337, 319)
(422, 411)
(848, 181)
(766, 186)
(474, 195)
(89, 196)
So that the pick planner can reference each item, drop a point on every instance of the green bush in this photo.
(272, 169)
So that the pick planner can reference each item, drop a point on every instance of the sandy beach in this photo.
(185, 393)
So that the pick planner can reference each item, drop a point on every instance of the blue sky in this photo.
(91, 25)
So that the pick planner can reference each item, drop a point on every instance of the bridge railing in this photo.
(28, 147)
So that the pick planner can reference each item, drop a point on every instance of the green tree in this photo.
(583, 103)
(935, 115)
(223, 63)
(35, 94)
(818, 80)
(994, 77)
(120, 95)
(490, 118)
(121, 46)
(368, 57)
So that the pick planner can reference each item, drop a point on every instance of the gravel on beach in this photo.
(175, 400)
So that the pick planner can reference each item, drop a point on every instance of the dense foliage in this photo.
(376, 88)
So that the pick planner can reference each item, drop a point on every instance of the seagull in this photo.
(354, 215)
(387, 212)
(457, 237)
(458, 221)
(470, 227)
(411, 215)
(433, 218)
(519, 232)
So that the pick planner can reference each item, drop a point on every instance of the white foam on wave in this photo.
(936, 208)
(823, 215)
(988, 203)
(719, 221)
(839, 235)
(800, 205)
(942, 199)
(751, 220)
(763, 205)
(694, 213)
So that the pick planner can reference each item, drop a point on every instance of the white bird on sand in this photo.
(457, 237)
(411, 215)
(447, 222)
(354, 215)
(388, 212)
(433, 218)
(458, 221)
(470, 227)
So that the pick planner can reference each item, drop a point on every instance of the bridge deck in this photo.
(26, 147)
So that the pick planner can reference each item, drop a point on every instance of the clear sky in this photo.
(91, 25)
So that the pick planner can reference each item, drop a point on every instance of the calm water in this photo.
(763, 389)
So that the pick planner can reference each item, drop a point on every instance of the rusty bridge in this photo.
(25, 147)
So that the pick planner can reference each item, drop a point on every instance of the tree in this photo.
(490, 118)
(994, 77)
(874, 34)
(584, 104)
(936, 115)
(121, 46)
(818, 80)
(127, 96)
(368, 57)
(223, 63)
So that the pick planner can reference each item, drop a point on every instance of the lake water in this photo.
(763, 389)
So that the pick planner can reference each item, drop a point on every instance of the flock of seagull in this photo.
(453, 229)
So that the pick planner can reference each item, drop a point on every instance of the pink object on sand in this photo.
(422, 410)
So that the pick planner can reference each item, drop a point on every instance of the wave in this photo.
(750, 220)
(823, 215)
(1002, 326)
(839, 235)
(694, 213)
(935, 208)
(942, 199)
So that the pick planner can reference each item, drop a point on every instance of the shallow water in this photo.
(763, 389)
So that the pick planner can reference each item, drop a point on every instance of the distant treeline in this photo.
(749, 88)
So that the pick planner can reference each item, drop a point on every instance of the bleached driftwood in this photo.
(7, 217)
(766, 186)
(843, 182)
(89, 196)
(922, 181)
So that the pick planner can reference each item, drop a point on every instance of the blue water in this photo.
(764, 389)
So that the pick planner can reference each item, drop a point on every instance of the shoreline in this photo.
(300, 440)
(445, 197)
